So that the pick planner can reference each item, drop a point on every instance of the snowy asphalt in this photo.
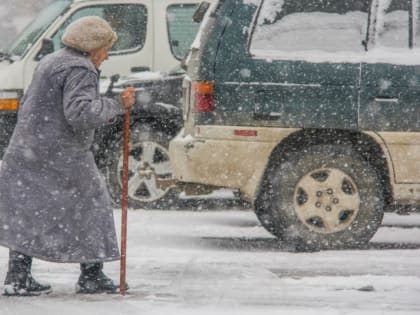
(224, 262)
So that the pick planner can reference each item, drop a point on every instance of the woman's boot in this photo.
(19, 280)
(92, 280)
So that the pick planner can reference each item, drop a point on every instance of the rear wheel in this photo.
(148, 163)
(325, 196)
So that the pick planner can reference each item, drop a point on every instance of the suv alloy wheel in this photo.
(324, 196)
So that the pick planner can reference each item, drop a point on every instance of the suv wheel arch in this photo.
(366, 148)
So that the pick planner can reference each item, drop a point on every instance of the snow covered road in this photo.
(224, 262)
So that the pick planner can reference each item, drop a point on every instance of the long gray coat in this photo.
(54, 204)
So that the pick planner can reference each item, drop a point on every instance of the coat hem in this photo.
(28, 253)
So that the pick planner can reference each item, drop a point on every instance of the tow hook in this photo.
(190, 189)
(164, 183)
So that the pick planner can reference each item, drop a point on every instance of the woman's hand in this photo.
(128, 97)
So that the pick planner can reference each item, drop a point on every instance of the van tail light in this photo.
(9, 101)
(9, 104)
(204, 96)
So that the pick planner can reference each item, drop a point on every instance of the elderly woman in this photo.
(54, 204)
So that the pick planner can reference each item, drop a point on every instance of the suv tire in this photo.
(148, 159)
(322, 197)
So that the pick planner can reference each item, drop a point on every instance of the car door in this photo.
(307, 62)
(390, 89)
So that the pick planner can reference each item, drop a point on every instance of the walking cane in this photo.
(124, 201)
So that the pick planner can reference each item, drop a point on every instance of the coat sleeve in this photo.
(83, 107)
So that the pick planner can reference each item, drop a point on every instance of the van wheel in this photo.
(148, 161)
(323, 197)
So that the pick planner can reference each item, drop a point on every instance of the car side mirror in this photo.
(200, 12)
(47, 47)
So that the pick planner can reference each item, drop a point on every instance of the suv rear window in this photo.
(311, 25)
(394, 31)
(181, 28)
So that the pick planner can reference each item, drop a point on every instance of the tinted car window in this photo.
(311, 25)
(181, 28)
(394, 32)
(128, 21)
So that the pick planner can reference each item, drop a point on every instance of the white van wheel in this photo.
(148, 161)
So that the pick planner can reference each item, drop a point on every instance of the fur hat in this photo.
(89, 33)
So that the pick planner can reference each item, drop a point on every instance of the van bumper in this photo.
(229, 163)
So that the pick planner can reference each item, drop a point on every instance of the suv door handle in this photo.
(386, 99)
(267, 116)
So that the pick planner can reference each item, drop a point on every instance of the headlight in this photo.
(9, 101)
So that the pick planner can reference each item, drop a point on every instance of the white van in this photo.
(154, 35)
